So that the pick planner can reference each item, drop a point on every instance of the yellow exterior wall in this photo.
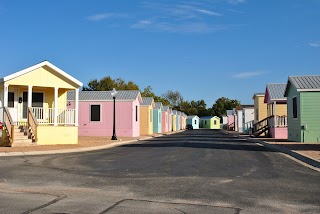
(215, 126)
(146, 124)
(174, 119)
(43, 77)
(52, 135)
(281, 109)
(260, 109)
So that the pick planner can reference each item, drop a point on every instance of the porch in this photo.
(44, 126)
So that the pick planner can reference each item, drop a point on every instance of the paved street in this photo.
(198, 171)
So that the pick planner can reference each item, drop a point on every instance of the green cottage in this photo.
(303, 100)
(210, 122)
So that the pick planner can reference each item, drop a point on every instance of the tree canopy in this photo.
(107, 84)
(174, 99)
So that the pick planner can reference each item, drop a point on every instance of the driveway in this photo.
(198, 171)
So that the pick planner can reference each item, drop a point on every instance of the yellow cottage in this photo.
(33, 107)
(146, 116)
(260, 108)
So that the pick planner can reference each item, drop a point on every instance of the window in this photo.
(205, 122)
(195, 121)
(294, 107)
(136, 113)
(215, 122)
(95, 113)
(10, 99)
(151, 115)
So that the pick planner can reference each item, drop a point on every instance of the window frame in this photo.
(295, 107)
(90, 115)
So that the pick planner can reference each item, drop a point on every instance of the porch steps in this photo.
(20, 138)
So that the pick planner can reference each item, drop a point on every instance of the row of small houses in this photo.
(42, 104)
(135, 115)
(285, 111)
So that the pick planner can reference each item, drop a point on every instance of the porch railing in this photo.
(248, 127)
(8, 123)
(47, 116)
(278, 121)
(32, 125)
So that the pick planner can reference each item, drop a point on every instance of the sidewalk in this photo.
(85, 144)
(309, 153)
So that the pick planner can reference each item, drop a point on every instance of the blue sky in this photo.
(205, 49)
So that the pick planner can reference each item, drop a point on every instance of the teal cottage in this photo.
(303, 100)
(157, 117)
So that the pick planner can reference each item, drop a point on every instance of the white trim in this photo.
(39, 65)
(76, 106)
(306, 90)
(55, 101)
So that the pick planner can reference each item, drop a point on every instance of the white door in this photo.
(13, 105)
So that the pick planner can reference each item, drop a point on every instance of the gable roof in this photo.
(258, 95)
(147, 101)
(105, 95)
(158, 105)
(275, 92)
(209, 117)
(167, 109)
(304, 83)
(39, 65)
(192, 116)
(174, 112)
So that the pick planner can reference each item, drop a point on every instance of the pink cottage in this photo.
(96, 113)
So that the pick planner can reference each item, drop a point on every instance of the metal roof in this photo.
(258, 95)
(147, 101)
(305, 82)
(192, 116)
(167, 108)
(158, 105)
(104, 95)
(276, 91)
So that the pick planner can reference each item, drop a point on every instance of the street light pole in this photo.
(114, 93)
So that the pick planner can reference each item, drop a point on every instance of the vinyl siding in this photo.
(261, 107)
(294, 127)
(310, 116)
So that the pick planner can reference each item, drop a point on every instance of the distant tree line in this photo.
(174, 99)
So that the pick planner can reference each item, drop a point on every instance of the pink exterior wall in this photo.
(126, 124)
(279, 132)
(165, 122)
(181, 123)
(170, 122)
(230, 119)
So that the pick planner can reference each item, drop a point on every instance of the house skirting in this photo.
(52, 135)
(279, 132)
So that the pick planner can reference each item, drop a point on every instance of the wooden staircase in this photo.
(21, 138)
(261, 127)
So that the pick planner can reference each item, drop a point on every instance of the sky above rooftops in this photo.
(205, 49)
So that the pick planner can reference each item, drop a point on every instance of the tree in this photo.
(174, 97)
(107, 84)
(222, 104)
(147, 92)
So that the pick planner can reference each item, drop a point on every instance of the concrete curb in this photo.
(86, 149)
(304, 158)
(301, 157)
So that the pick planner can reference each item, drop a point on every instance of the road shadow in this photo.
(222, 146)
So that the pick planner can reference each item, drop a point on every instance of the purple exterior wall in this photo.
(126, 123)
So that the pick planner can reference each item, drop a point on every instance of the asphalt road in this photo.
(199, 171)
